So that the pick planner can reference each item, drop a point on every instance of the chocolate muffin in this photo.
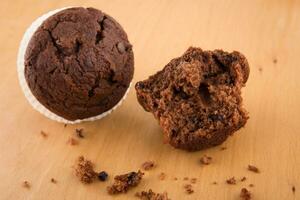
(79, 63)
(197, 97)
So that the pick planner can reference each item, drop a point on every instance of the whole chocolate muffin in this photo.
(79, 63)
(197, 97)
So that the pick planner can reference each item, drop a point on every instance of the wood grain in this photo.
(159, 31)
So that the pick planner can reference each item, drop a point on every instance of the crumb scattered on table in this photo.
(148, 165)
(260, 69)
(162, 176)
(84, 170)
(293, 189)
(231, 181)
(72, 141)
(53, 181)
(251, 185)
(214, 183)
(188, 188)
(206, 160)
(102, 176)
(26, 184)
(194, 180)
(275, 60)
(253, 169)
(79, 132)
(122, 183)
(223, 148)
(150, 195)
(243, 179)
(65, 125)
(44, 134)
(175, 178)
(245, 194)
(186, 178)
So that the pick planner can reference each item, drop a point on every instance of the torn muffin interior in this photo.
(122, 183)
(197, 97)
(84, 170)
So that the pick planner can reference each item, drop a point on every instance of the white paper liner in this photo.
(27, 92)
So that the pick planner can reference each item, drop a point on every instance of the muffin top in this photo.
(79, 63)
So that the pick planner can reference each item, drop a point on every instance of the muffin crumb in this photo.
(84, 170)
(206, 160)
(175, 178)
(243, 179)
(194, 180)
(245, 194)
(65, 125)
(44, 134)
(231, 181)
(53, 180)
(251, 185)
(26, 184)
(293, 189)
(253, 169)
(275, 60)
(122, 183)
(188, 188)
(186, 178)
(148, 165)
(79, 132)
(214, 183)
(223, 148)
(150, 195)
(162, 176)
(72, 141)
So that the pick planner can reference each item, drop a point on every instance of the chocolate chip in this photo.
(215, 117)
(140, 85)
(131, 177)
(102, 176)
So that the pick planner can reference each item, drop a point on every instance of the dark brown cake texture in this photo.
(122, 183)
(79, 63)
(197, 97)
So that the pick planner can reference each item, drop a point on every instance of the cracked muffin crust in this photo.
(79, 63)
(197, 97)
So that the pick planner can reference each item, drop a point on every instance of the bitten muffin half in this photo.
(197, 97)
(79, 63)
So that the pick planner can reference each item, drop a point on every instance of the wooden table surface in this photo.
(265, 31)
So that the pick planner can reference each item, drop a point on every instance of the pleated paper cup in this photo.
(23, 83)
